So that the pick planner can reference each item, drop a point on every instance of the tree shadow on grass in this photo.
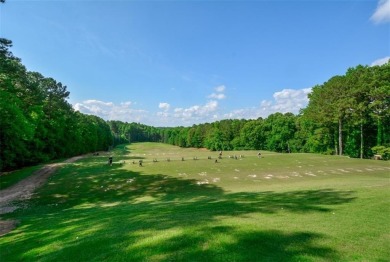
(257, 245)
(113, 214)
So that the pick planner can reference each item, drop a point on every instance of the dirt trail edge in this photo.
(23, 190)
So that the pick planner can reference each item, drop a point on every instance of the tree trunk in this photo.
(340, 137)
(379, 135)
(361, 139)
(334, 137)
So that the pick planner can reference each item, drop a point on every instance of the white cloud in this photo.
(128, 103)
(211, 106)
(97, 102)
(194, 114)
(110, 111)
(381, 61)
(94, 107)
(382, 12)
(191, 115)
(163, 114)
(219, 96)
(245, 113)
(164, 106)
(287, 100)
(220, 88)
(196, 111)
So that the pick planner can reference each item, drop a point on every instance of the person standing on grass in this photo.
(110, 160)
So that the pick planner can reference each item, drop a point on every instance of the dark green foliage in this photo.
(355, 108)
(134, 132)
(383, 151)
(37, 123)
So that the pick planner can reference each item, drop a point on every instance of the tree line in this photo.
(346, 115)
(37, 124)
(351, 113)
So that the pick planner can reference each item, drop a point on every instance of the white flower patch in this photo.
(268, 176)
(237, 170)
(235, 177)
(202, 182)
(217, 179)
(131, 180)
(296, 174)
(252, 176)
(203, 174)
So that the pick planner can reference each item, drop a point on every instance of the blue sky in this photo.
(171, 63)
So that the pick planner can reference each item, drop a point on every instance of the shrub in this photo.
(382, 150)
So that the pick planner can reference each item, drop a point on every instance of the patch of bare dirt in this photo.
(24, 190)
(6, 226)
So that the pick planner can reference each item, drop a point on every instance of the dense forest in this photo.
(37, 123)
(347, 115)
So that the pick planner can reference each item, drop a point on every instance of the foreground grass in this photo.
(283, 207)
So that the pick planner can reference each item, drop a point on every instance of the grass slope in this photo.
(8, 179)
(282, 207)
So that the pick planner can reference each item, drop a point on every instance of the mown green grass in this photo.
(282, 207)
(8, 179)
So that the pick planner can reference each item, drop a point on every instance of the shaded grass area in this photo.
(89, 211)
(8, 179)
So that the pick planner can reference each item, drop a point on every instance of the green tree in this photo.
(379, 103)
(252, 135)
(279, 130)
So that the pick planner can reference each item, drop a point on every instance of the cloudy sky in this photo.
(171, 63)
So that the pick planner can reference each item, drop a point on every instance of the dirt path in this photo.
(23, 190)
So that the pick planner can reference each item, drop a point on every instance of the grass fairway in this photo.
(282, 207)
